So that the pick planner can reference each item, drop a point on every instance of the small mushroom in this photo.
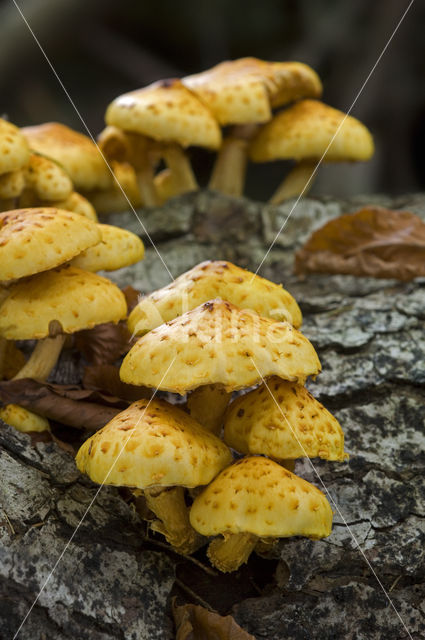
(255, 498)
(54, 303)
(23, 420)
(304, 132)
(214, 279)
(118, 248)
(45, 180)
(156, 447)
(14, 149)
(166, 111)
(242, 93)
(218, 344)
(284, 421)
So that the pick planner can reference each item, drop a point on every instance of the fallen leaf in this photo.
(106, 378)
(373, 242)
(104, 344)
(67, 404)
(194, 622)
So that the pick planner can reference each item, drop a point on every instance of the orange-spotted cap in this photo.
(47, 179)
(74, 298)
(256, 495)
(166, 111)
(214, 279)
(14, 150)
(283, 420)
(118, 248)
(33, 240)
(306, 129)
(218, 343)
(153, 443)
(75, 152)
(244, 91)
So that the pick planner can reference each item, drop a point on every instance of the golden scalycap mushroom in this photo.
(33, 240)
(209, 280)
(47, 179)
(166, 448)
(166, 111)
(243, 91)
(78, 204)
(285, 422)
(23, 420)
(77, 154)
(14, 150)
(76, 299)
(218, 343)
(256, 495)
(305, 130)
(118, 248)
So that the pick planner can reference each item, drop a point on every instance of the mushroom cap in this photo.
(218, 343)
(166, 111)
(258, 496)
(290, 423)
(12, 184)
(33, 240)
(75, 298)
(305, 129)
(213, 279)
(23, 419)
(14, 150)
(47, 179)
(118, 248)
(244, 91)
(78, 204)
(77, 154)
(153, 443)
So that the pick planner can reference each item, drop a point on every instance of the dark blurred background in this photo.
(101, 48)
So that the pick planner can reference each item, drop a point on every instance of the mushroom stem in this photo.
(298, 180)
(228, 553)
(146, 184)
(228, 175)
(42, 359)
(177, 161)
(169, 505)
(207, 405)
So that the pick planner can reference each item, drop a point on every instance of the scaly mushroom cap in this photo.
(214, 279)
(23, 420)
(258, 496)
(47, 179)
(14, 150)
(33, 240)
(286, 423)
(76, 152)
(218, 343)
(12, 184)
(78, 204)
(166, 111)
(304, 131)
(244, 91)
(153, 443)
(118, 248)
(76, 299)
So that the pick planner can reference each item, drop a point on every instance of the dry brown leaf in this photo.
(106, 378)
(104, 344)
(67, 404)
(194, 622)
(373, 242)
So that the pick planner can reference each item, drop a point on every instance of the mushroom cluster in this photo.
(141, 159)
(216, 330)
(50, 288)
